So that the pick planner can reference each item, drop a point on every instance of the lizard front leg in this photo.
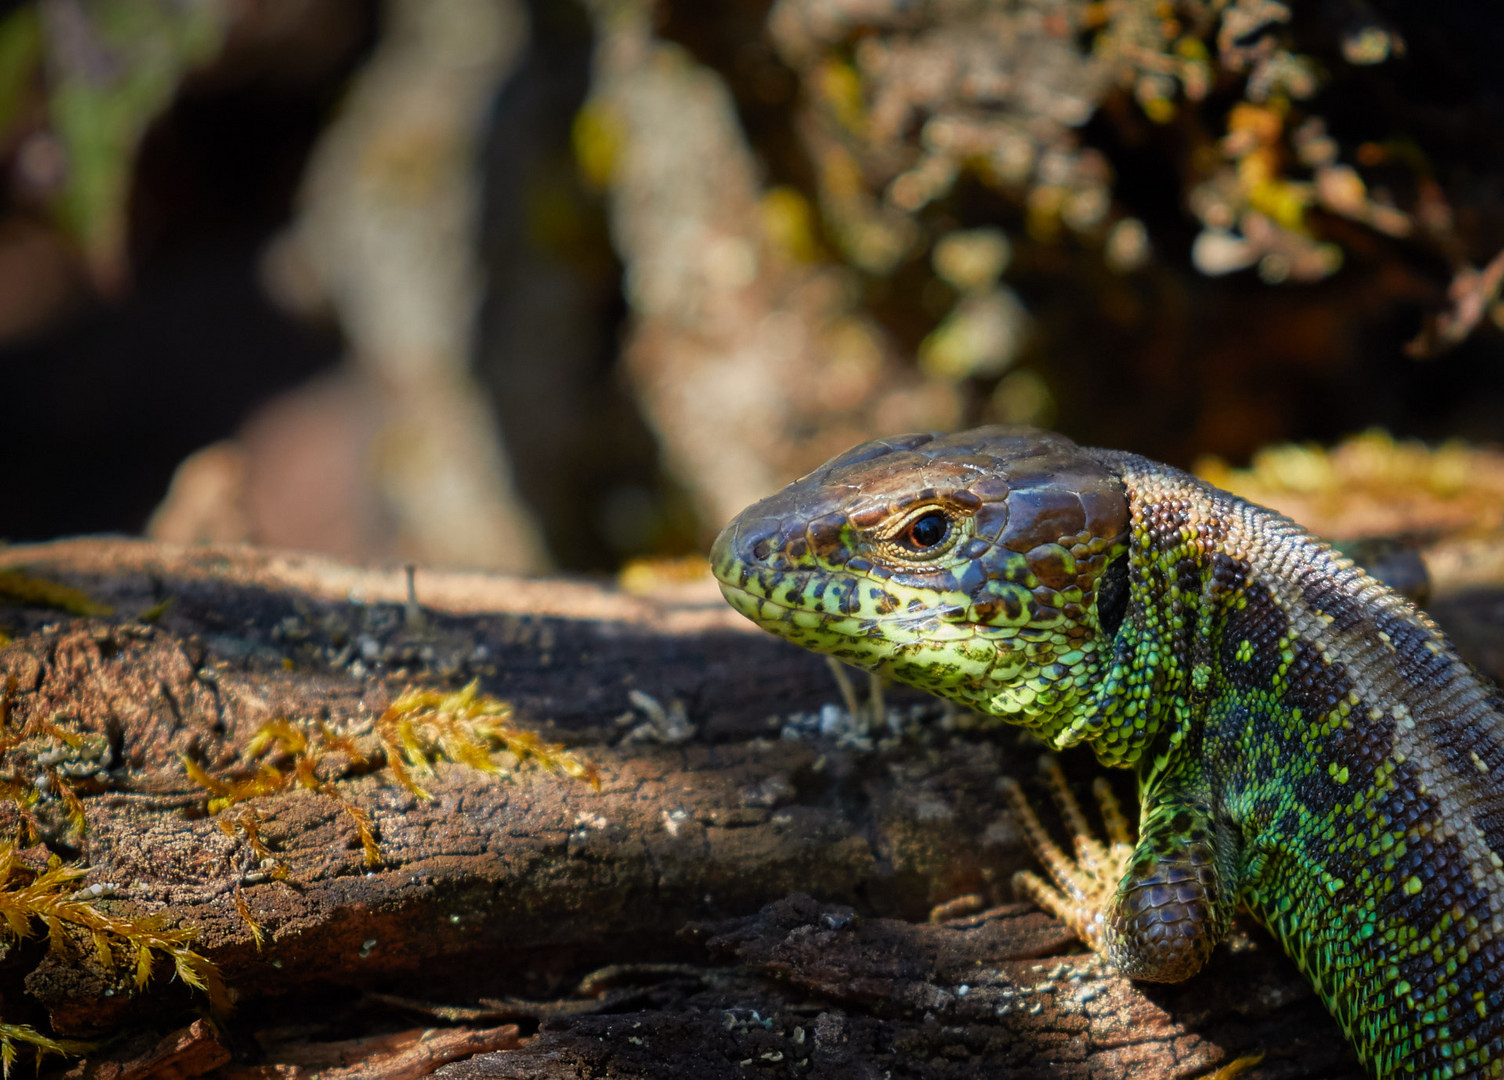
(1154, 909)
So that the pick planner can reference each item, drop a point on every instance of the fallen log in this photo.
(732, 788)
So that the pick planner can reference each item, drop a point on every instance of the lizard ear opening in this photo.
(1112, 595)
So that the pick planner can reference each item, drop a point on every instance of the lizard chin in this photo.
(764, 612)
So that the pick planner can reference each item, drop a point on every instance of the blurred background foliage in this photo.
(553, 284)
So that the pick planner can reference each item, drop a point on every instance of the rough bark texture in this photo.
(690, 869)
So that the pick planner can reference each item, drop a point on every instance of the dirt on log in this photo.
(732, 791)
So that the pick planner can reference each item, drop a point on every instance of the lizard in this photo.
(1307, 744)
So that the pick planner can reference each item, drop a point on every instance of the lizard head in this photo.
(983, 566)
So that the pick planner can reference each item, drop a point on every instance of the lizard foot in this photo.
(1084, 885)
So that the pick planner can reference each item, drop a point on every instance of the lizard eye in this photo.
(926, 531)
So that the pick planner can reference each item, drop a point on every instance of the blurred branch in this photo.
(386, 236)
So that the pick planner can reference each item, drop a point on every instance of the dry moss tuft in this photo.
(30, 898)
(467, 728)
(419, 729)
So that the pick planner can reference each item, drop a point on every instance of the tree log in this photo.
(689, 871)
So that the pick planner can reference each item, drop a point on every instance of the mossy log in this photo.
(687, 876)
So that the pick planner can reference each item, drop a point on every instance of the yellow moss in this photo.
(258, 935)
(284, 739)
(1284, 201)
(466, 728)
(1373, 484)
(420, 728)
(1158, 109)
(645, 577)
(789, 224)
(156, 611)
(839, 86)
(29, 898)
(599, 135)
(1238, 1066)
(20, 784)
(366, 830)
(247, 824)
(11, 1034)
(266, 780)
(40, 592)
(1191, 48)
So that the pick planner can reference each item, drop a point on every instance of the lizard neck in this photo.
(1232, 601)
(1142, 705)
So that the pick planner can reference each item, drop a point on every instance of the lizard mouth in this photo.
(755, 606)
(736, 595)
(755, 583)
(781, 616)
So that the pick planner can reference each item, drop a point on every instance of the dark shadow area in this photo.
(100, 407)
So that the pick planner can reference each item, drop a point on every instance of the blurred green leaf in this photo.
(20, 60)
(112, 67)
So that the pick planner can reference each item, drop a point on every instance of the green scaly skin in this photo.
(1307, 744)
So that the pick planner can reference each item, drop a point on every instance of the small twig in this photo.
(414, 615)
(875, 702)
(848, 692)
(1472, 292)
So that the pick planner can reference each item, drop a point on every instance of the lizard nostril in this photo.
(762, 549)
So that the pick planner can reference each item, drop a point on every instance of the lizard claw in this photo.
(1084, 885)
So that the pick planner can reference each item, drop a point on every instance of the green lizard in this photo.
(1307, 744)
